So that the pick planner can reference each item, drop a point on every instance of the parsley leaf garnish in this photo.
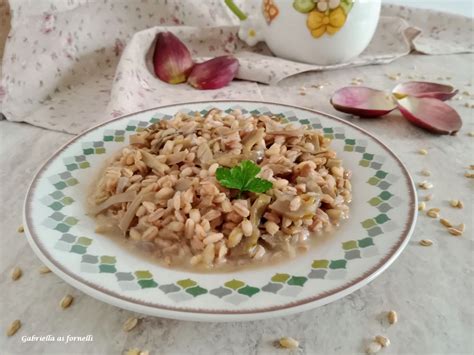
(243, 178)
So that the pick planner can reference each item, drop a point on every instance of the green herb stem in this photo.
(235, 9)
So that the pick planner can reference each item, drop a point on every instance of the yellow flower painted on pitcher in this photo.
(324, 16)
(330, 21)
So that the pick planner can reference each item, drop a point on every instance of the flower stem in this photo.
(235, 9)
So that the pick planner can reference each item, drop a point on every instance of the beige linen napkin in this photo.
(70, 65)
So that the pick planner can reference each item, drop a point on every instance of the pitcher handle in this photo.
(250, 30)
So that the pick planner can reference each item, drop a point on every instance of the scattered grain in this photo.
(426, 243)
(44, 270)
(130, 323)
(421, 206)
(20, 229)
(423, 152)
(13, 327)
(392, 317)
(136, 351)
(471, 134)
(428, 197)
(66, 301)
(373, 348)
(469, 175)
(16, 273)
(382, 340)
(425, 172)
(426, 185)
(454, 231)
(433, 212)
(445, 222)
(288, 343)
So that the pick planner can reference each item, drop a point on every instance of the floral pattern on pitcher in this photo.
(270, 10)
(324, 16)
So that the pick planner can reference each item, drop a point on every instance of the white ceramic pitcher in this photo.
(322, 32)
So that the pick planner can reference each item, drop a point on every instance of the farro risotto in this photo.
(222, 190)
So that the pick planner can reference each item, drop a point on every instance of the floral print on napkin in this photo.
(68, 65)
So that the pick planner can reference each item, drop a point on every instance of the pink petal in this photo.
(424, 89)
(171, 60)
(431, 114)
(362, 101)
(214, 73)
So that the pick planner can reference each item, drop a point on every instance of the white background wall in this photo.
(462, 7)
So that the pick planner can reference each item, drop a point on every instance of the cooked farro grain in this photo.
(136, 351)
(247, 228)
(425, 172)
(161, 192)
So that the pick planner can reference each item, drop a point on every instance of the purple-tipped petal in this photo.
(362, 101)
(431, 114)
(171, 60)
(424, 89)
(214, 73)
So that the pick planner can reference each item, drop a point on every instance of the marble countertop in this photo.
(431, 288)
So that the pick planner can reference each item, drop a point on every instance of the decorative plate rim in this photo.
(285, 308)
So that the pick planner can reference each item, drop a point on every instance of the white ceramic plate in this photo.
(383, 214)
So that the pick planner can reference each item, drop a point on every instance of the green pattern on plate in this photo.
(233, 291)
